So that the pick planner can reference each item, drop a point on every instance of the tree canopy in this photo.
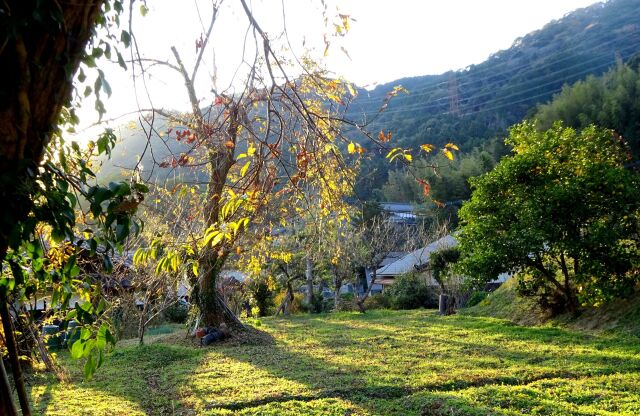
(562, 210)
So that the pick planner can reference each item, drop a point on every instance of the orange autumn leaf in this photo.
(425, 187)
(384, 137)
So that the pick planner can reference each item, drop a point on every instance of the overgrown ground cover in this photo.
(382, 363)
(620, 316)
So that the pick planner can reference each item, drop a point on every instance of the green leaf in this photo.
(77, 347)
(90, 367)
(141, 187)
(125, 37)
(243, 171)
(121, 60)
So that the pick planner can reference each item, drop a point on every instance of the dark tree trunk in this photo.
(213, 309)
(443, 304)
(142, 322)
(572, 302)
(37, 65)
(361, 299)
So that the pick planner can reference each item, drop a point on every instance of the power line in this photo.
(535, 79)
(507, 63)
(494, 74)
(432, 105)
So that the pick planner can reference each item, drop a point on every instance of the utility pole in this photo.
(454, 98)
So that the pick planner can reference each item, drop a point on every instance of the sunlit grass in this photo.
(383, 362)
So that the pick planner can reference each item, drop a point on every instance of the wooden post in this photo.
(443, 303)
(18, 378)
(7, 407)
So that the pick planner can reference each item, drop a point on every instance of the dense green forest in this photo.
(612, 101)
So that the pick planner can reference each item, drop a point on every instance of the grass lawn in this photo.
(380, 363)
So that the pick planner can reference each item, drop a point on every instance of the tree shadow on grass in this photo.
(368, 363)
(138, 375)
(328, 377)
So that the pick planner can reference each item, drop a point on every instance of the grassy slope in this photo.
(621, 316)
(383, 363)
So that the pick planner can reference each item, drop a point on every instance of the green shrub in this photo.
(347, 303)
(476, 297)
(178, 312)
(347, 296)
(377, 301)
(410, 291)
(318, 304)
(263, 298)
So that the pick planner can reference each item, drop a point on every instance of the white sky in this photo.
(388, 40)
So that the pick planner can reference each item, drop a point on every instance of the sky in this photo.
(386, 41)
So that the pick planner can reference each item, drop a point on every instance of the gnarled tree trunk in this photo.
(214, 311)
(39, 58)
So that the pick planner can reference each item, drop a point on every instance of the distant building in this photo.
(400, 213)
(418, 260)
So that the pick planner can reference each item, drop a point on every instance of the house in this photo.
(418, 260)
(400, 213)
(366, 278)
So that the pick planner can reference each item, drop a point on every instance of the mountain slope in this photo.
(479, 102)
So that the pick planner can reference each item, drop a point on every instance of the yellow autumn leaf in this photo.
(452, 146)
(408, 157)
(427, 147)
(448, 154)
(352, 90)
(243, 171)
(351, 148)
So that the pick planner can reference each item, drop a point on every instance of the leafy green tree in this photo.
(562, 209)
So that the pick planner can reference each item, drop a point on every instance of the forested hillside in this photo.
(479, 102)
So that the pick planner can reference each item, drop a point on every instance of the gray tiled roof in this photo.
(415, 258)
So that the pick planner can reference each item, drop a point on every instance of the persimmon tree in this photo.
(343, 254)
(266, 147)
(269, 141)
(378, 238)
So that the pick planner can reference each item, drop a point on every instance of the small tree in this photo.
(564, 210)
(378, 237)
(451, 284)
